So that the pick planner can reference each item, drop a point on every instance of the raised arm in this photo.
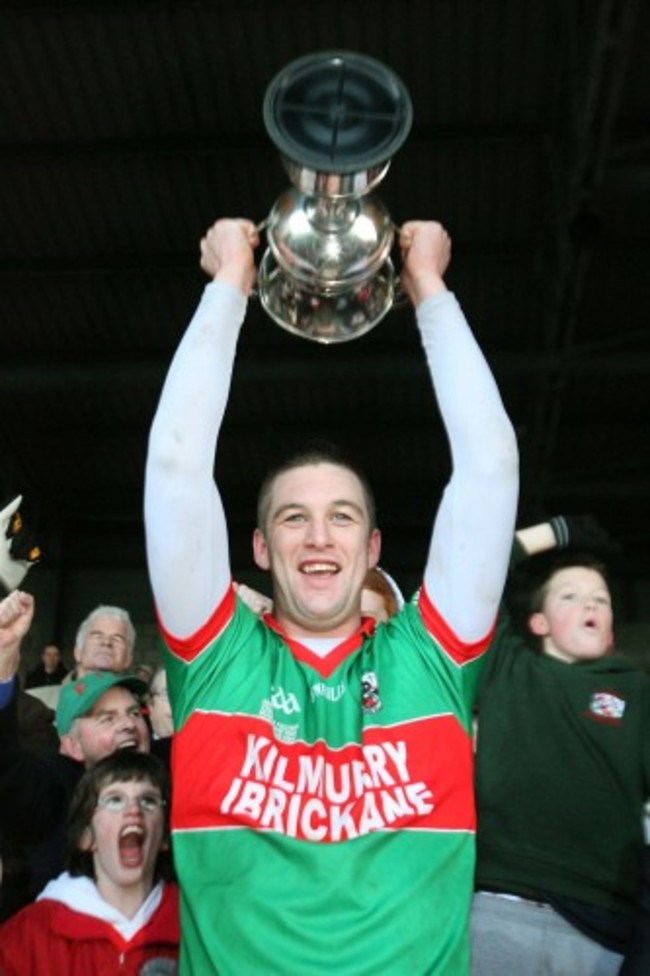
(186, 533)
(16, 614)
(472, 536)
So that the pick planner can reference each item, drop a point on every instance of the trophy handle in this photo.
(400, 298)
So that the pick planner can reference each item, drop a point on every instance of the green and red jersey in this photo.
(323, 814)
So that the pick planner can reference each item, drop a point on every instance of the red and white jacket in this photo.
(71, 930)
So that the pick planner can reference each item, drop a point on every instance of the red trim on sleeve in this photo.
(188, 648)
(458, 650)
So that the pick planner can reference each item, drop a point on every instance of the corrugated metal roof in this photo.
(127, 127)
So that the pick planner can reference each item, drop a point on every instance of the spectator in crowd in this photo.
(143, 671)
(111, 911)
(380, 596)
(96, 716)
(160, 712)
(50, 671)
(258, 602)
(323, 815)
(36, 734)
(562, 773)
(105, 641)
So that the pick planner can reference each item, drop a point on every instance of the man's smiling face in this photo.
(318, 546)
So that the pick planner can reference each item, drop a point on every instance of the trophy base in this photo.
(318, 314)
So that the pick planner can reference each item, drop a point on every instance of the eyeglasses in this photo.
(119, 802)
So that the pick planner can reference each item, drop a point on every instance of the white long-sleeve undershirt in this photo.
(187, 540)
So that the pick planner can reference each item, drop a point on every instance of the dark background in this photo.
(126, 128)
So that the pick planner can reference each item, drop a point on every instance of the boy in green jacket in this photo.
(562, 773)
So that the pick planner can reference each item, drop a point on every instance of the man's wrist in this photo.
(237, 275)
(537, 538)
(424, 286)
(9, 662)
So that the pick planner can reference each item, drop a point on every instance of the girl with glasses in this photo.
(112, 910)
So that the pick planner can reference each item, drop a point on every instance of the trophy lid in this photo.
(337, 112)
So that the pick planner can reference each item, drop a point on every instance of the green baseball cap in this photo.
(78, 696)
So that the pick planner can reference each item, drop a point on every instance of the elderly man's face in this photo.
(105, 647)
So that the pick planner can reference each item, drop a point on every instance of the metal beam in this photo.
(593, 137)
(29, 376)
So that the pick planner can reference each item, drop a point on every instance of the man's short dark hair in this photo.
(315, 452)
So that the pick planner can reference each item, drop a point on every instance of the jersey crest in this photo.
(607, 706)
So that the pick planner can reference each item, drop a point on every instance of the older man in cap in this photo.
(97, 714)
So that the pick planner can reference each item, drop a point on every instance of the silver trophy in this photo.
(337, 118)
